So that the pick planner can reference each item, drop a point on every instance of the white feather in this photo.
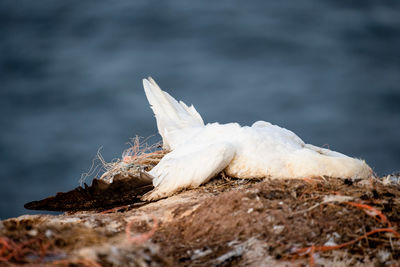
(263, 150)
(170, 115)
(189, 166)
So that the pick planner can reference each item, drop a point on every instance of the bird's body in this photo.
(199, 152)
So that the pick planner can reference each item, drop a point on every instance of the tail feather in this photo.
(170, 114)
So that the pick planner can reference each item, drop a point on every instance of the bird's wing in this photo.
(170, 114)
(278, 133)
(189, 166)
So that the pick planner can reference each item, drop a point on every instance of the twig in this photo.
(327, 248)
(372, 212)
(327, 199)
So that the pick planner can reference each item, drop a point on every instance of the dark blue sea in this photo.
(70, 78)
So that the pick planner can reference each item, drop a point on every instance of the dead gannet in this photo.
(199, 152)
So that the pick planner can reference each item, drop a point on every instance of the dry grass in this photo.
(139, 156)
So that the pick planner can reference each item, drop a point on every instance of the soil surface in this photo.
(321, 222)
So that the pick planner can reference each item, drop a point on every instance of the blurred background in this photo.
(70, 78)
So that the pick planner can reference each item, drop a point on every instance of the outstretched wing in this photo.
(189, 166)
(170, 114)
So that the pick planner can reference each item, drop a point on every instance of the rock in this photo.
(225, 222)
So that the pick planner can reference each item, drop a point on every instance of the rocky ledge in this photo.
(226, 222)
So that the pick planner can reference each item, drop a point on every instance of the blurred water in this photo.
(70, 78)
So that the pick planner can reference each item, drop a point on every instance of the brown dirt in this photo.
(225, 222)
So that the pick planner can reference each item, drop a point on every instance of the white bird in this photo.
(199, 152)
